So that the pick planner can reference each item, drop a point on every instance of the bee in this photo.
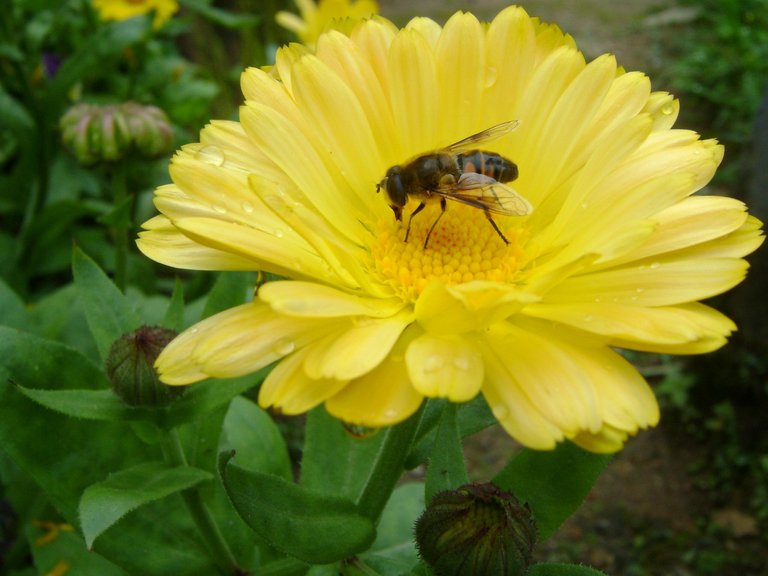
(461, 173)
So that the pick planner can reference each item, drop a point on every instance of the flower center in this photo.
(462, 247)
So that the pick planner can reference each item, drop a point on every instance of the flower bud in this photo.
(105, 133)
(476, 529)
(150, 129)
(130, 367)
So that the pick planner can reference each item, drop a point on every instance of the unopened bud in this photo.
(130, 367)
(476, 529)
(105, 133)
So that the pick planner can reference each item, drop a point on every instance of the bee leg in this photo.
(442, 211)
(488, 215)
(419, 208)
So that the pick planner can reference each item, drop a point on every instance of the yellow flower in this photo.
(326, 15)
(616, 253)
(124, 9)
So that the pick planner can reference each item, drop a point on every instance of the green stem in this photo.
(120, 195)
(388, 467)
(209, 530)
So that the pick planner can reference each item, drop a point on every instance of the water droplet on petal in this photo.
(211, 155)
(461, 363)
(500, 412)
(358, 431)
(668, 109)
(247, 207)
(588, 318)
(219, 208)
(279, 233)
(433, 363)
(283, 346)
(491, 74)
(585, 205)
(655, 265)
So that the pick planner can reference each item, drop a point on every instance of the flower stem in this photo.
(209, 530)
(119, 193)
(388, 467)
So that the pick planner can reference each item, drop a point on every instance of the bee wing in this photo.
(487, 194)
(486, 135)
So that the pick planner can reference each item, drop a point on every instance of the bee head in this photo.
(395, 189)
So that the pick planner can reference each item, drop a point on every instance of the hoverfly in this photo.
(461, 173)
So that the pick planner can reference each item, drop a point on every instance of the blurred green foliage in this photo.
(718, 62)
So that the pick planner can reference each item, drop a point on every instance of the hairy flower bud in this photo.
(476, 529)
(105, 133)
(130, 367)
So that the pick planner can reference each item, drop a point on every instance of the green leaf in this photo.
(54, 544)
(313, 526)
(554, 483)
(35, 362)
(13, 313)
(333, 457)
(548, 569)
(446, 469)
(93, 56)
(108, 312)
(174, 316)
(87, 404)
(256, 441)
(472, 417)
(204, 397)
(394, 551)
(231, 289)
(104, 503)
(221, 17)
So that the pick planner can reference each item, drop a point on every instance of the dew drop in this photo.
(247, 207)
(433, 363)
(639, 290)
(211, 155)
(500, 412)
(279, 233)
(588, 318)
(359, 432)
(461, 363)
(219, 208)
(283, 346)
(655, 265)
(585, 205)
(491, 75)
(668, 109)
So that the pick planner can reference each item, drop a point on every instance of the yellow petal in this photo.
(607, 441)
(414, 93)
(662, 282)
(514, 410)
(296, 298)
(467, 307)
(164, 243)
(550, 376)
(445, 367)
(290, 390)
(686, 329)
(355, 351)
(382, 397)
(462, 40)
(235, 342)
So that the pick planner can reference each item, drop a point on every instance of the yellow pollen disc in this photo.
(463, 247)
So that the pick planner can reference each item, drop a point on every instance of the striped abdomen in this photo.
(487, 163)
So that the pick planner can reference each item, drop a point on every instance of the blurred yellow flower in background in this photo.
(616, 252)
(124, 9)
(314, 19)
